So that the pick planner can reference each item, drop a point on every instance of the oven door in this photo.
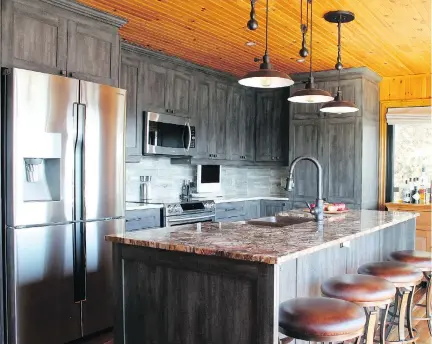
(168, 135)
(173, 221)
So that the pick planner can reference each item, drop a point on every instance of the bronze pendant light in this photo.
(309, 94)
(266, 76)
(338, 105)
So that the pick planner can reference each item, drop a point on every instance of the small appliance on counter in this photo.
(208, 179)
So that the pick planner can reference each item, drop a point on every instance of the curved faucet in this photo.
(318, 211)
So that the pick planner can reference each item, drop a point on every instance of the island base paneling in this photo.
(177, 297)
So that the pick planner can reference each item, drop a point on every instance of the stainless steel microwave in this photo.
(168, 135)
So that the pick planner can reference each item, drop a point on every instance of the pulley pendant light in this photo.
(338, 105)
(266, 76)
(310, 94)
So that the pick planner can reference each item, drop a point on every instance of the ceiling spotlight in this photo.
(250, 44)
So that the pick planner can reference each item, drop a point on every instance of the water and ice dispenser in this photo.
(42, 166)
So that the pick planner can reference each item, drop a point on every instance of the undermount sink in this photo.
(279, 221)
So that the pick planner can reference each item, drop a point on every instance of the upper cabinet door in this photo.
(217, 123)
(305, 140)
(179, 93)
(234, 129)
(155, 94)
(247, 127)
(33, 38)
(93, 52)
(131, 79)
(342, 159)
(204, 90)
(269, 126)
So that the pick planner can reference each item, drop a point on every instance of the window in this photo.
(410, 148)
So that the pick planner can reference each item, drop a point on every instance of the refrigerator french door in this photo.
(64, 191)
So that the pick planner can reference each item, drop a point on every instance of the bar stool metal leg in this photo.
(428, 277)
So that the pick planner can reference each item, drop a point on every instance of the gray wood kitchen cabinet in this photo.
(168, 90)
(270, 126)
(216, 136)
(240, 126)
(271, 208)
(230, 211)
(204, 91)
(131, 79)
(143, 219)
(93, 52)
(61, 37)
(345, 144)
(253, 210)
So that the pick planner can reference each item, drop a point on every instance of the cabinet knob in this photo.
(272, 158)
(63, 72)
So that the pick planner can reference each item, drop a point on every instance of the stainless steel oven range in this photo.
(168, 135)
(188, 212)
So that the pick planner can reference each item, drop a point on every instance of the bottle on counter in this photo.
(406, 198)
(415, 196)
(411, 185)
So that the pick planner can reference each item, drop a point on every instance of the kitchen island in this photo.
(223, 282)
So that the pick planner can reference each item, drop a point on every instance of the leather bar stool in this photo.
(321, 319)
(422, 260)
(374, 294)
(404, 277)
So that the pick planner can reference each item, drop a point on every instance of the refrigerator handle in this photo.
(79, 226)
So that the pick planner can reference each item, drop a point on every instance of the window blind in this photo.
(420, 115)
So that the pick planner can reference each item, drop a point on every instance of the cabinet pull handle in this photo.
(230, 209)
(63, 72)
(133, 219)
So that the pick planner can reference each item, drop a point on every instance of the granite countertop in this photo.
(217, 199)
(243, 241)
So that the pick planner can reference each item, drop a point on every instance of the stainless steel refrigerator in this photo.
(63, 191)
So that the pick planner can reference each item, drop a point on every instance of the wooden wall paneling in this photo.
(400, 237)
(366, 249)
(406, 87)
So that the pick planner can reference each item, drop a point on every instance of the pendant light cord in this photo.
(311, 34)
(267, 16)
(339, 59)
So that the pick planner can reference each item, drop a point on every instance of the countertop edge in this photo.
(257, 258)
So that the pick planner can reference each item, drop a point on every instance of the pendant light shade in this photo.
(338, 105)
(266, 76)
(309, 94)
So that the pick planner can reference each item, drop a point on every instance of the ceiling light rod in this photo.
(338, 105)
(266, 76)
(310, 94)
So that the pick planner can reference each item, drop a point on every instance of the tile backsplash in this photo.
(236, 181)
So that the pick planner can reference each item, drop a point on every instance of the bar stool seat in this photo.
(420, 259)
(363, 290)
(398, 273)
(321, 319)
(423, 261)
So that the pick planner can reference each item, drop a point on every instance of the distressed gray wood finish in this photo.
(179, 91)
(204, 91)
(271, 208)
(131, 77)
(253, 210)
(93, 52)
(345, 144)
(187, 296)
(305, 137)
(217, 122)
(155, 92)
(269, 126)
(174, 297)
(58, 37)
(226, 212)
(143, 219)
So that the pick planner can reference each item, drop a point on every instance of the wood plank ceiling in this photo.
(392, 37)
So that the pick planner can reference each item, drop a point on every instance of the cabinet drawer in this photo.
(232, 219)
(143, 218)
(230, 210)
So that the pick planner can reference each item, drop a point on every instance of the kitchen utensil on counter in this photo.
(145, 188)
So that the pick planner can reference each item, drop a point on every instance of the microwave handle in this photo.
(190, 136)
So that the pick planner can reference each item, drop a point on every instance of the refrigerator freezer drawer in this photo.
(40, 286)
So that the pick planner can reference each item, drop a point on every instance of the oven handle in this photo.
(209, 217)
(190, 136)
